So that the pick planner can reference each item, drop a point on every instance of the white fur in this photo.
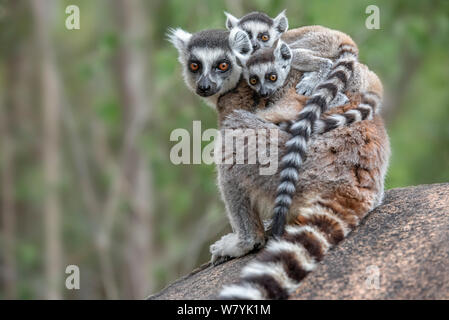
(290, 229)
(356, 114)
(292, 157)
(244, 290)
(367, 107)
(319, 210)
(231, 21)
(229, 245)
(179, 38)
(284, 198)
(303, 124)
(275, 270)
(301, 254)
(239, 42)
(289, 173)
(208, 56)
(281, 18)
(339, 119)
(286, 186)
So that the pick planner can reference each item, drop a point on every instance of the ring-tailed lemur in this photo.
(209, 65)
(203, 52)
(267, 70)
(262, 30)
(341, 181)
(314, 48)
(326, 52)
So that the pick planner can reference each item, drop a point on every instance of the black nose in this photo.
(204, 88)
(264, 94)
(256, 46)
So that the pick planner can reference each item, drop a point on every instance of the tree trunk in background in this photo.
(136, 172)
(50, 103)
(9, 277)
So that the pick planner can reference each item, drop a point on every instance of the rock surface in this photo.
(405, 242)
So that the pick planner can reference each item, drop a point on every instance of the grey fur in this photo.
(258, 24)
(265, 63)
(208, 49)
(315, 176)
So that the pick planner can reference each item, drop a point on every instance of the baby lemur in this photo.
(332, 56)
(267, 70)
(210, 69)
(340, 182)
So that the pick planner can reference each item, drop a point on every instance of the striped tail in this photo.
(278, 270)
(302, 129)
(368, 107)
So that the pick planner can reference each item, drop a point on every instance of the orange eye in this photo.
(223, 66)
(265, 37)
(273, 77)
(194, 66)
(253, 80)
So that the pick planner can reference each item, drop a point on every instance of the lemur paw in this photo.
(230, 246)
(339, 100)
(310, 80)
(308, 83)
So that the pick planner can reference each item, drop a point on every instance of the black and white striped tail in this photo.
(302, 129)
(278, 270)
(367, 108)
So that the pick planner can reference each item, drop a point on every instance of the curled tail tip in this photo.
(279, 221)
(277, 230)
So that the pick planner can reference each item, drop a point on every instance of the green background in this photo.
(185, 214)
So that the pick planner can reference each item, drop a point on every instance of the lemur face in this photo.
(262, 30)
(209, 64)
(267, 70)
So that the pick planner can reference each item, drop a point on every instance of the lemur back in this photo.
(333, 58)
(268, 70)
(314, 48)
(340, 182)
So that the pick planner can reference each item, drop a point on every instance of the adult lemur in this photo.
(332, 55)
(340, 182)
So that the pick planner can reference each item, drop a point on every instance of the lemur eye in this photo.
(265, 37)
(223, 66)
(194, 66)
(253, 80)
(273, 77)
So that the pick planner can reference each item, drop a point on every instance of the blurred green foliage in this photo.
(409, 53)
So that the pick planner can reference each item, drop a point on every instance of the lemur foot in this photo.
(308, 83)
(230, 246)
(339, 100)
(221, 260)
(310, 80)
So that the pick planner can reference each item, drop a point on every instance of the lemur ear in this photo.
(283, 51)
(240, 44)
(281, 22)
(179, 38)
(231, 21)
